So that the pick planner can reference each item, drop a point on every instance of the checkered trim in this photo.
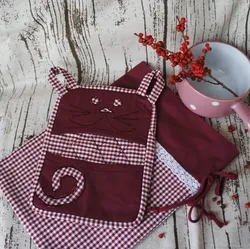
(176, 168)
(17, 174)
(148, 161)
(71, 83)
(58, 175)
(97, 149)
(157, 88)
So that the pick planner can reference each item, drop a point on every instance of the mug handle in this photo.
(244, 112)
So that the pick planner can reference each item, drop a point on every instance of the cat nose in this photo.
(106, 110)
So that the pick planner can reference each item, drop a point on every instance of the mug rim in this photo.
(222, 100)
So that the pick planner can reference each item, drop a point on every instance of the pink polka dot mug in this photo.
(230, 66)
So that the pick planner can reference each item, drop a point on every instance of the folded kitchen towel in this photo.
(199, 149)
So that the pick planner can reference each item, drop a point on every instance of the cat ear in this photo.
(54, 81)
(158, 86)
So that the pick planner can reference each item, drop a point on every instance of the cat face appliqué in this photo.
(104, 113)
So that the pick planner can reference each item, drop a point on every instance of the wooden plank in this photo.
(94, 40)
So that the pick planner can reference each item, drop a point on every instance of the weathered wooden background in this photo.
(94, 40)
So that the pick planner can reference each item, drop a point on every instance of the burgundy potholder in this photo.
(97, 158)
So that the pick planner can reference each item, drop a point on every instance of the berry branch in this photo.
(184, 58)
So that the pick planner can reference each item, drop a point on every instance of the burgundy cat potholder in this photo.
(97, 158)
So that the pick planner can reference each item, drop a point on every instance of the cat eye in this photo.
(95, 100)
(117, 102)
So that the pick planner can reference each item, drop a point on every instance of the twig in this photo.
(223, 85)
(182, 32)
(210, 82)
(162, 48)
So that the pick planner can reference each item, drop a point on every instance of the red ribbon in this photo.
(197, 201)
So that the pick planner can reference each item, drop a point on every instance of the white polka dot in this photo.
(215, 103)
(193, 107)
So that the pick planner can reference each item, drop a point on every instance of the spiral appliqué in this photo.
(56, 183)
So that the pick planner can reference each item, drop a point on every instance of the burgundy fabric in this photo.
(198, 148)
(79, 113)
(109, 184)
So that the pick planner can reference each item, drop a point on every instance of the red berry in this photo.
(174, 64)
(207, 45)
(182, 28)
(158, 50)
(223, 206)
(150, 42)
(184, 44)
(204, 50)
(140, 40)
(247, 205)
(144, 43)
(218, 202)
(214, 199)
(160, 43)
(209, 49)
(234, 197)
(185, 50)
(183, 73)
(163, 53)
(154, 46)
(247, 166)
(183, 20)
(182, 56)
(141, 34)
(231, 128)
(186, 38)
(246, 130)
(161, 235)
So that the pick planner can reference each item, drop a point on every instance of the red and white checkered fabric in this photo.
(17, 174)
(156, 91)
(97, 149)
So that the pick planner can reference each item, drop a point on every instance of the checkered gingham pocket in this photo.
(95, 166)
